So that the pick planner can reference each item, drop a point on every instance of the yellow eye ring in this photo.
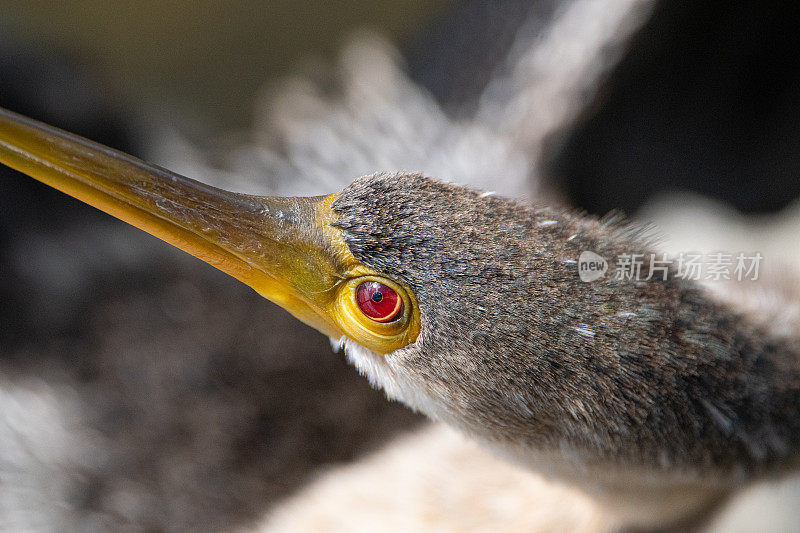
(369, 325)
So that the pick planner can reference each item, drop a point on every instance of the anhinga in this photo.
(469, 308)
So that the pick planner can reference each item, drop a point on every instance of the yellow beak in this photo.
(284, 248)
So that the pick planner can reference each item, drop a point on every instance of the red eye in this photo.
(378, 301)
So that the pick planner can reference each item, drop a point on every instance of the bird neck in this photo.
(652, 371)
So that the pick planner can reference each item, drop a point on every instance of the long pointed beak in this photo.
(281, 247)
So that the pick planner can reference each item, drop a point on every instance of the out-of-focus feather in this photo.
(317, 132)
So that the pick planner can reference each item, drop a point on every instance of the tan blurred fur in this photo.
(435, 480)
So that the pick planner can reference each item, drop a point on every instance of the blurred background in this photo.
(141, 389)
(203, 61)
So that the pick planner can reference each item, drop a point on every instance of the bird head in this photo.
(287, 249)
(406, 272)
(492, 281)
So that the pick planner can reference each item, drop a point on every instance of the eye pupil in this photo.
(378, 301)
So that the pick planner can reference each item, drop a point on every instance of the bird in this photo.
(97, 336)
(469, 307)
